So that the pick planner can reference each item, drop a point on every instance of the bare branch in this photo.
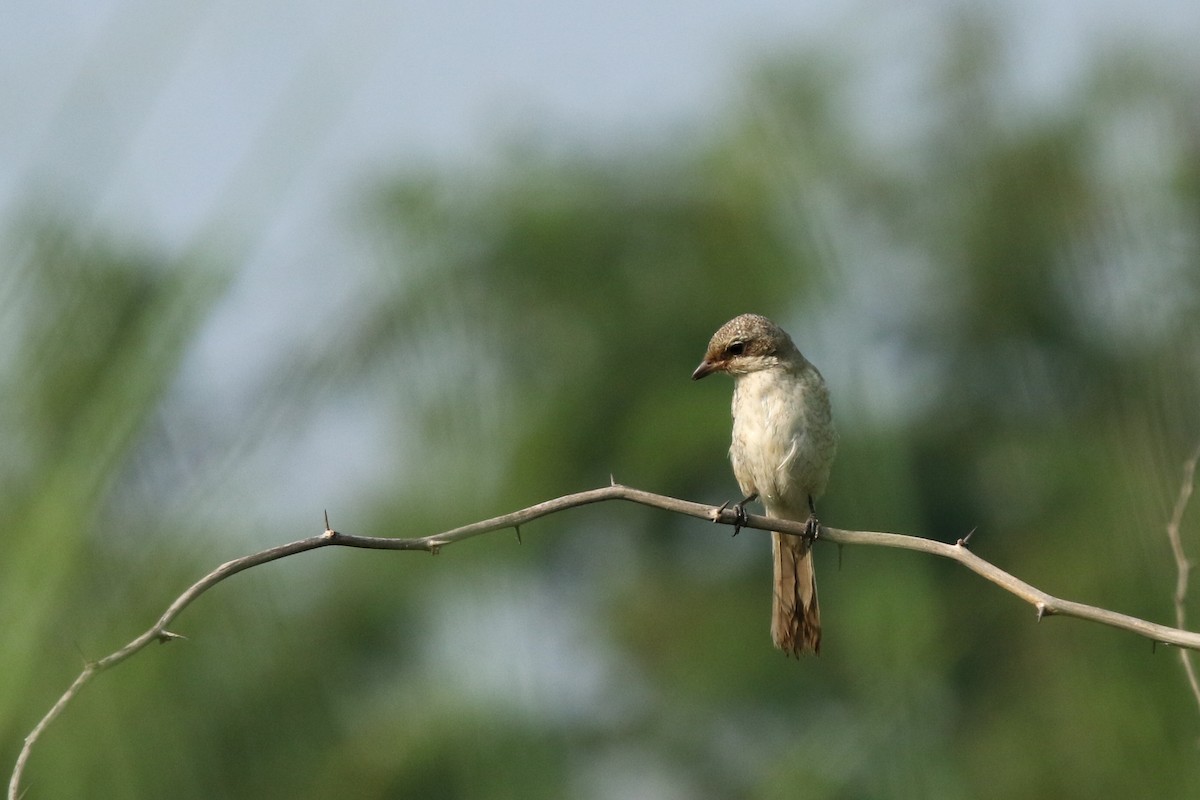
(1183, 565)
(1045, 604)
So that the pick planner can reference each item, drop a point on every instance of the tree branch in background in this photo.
(1184, 566)
(1046, 604)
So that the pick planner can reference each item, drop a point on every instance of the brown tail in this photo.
(795, 617)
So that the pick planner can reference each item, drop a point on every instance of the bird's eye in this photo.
(736, 349)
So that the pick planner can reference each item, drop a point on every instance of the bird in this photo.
(782, 451)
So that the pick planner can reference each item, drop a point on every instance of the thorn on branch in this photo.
(1041, 611)
(165, 636)
(329, 533)
(963, 542)
(517, 528)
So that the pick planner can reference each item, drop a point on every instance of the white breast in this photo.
(783, 438)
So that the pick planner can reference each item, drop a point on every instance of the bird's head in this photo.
(747, 343)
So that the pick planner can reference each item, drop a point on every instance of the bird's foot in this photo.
(812, 528)
(812, 525)
(739, 513)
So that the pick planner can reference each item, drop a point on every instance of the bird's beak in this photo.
(706, 368)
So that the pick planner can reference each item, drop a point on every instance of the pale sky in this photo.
(165, 118)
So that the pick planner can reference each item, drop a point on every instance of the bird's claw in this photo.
(812, 528)
(740, 517)
(739, 512)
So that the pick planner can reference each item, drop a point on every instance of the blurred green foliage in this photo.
(1005, 301)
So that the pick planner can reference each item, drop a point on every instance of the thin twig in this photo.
(1045, 604)
(1183, 565)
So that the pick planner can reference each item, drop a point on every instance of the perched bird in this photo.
(783, 447)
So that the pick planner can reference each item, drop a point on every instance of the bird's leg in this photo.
(812, 526)
(739, 512)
